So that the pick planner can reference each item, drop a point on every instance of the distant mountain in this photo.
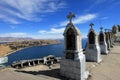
(61, 40)
(11, 39)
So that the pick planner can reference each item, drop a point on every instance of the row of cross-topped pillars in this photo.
(73, 61)
(98, 44)
(108, 36)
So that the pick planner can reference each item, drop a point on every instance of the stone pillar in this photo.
(93, 52)
(110, 38)
(102, 42)
(38, 62)
(29, 64)
(107, 39)
(115, 31)
(34, 63)
(21, 65)
(73, 64)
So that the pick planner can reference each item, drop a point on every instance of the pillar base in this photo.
(104, 49)
(93, 54)
(74, 69)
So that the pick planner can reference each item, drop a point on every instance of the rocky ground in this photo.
(108, 69)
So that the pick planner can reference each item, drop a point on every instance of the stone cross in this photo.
(91, 25)
(70, 16)
(101, 28)
(105, 30)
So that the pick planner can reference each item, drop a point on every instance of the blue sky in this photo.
(46, 19)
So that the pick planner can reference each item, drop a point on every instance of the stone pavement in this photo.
(108, 69)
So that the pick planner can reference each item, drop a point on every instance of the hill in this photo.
(12, 39)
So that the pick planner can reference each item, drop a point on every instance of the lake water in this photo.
(39, 51)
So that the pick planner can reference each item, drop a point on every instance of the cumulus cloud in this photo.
(13, 10)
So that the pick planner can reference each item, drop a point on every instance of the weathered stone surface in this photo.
(73, 64)
(107, 40)
(104, 49)
(93, 51)
(93, 54)
(102, 42)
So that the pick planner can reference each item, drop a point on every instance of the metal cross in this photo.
(101, 28)
(70, 16)
(91, 25)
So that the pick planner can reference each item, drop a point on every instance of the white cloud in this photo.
(17, 34)
(53, 31)
(12, 27)
(42, 31)
(80, 19)
(48, 36)
(84, 19)
(95, 4)
(12, 10)
(104, 18)
(8, 19)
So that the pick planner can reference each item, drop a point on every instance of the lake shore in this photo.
(108, 69)
(28, 47)
(6, 50)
